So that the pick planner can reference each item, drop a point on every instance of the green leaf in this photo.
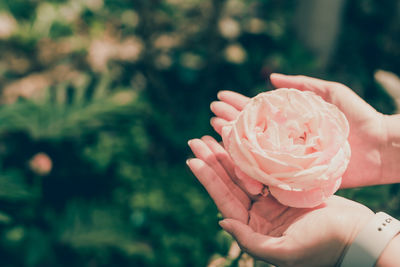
(14, 188)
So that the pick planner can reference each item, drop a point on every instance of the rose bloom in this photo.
(290, 143)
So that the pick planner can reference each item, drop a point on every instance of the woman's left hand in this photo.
(266, 229)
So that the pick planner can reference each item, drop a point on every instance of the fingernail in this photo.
(188, 161)
(212, 104)
(206, 138)
(219, 94)
(211, 120)
(276, 74)
(189, 142)
(222, 223)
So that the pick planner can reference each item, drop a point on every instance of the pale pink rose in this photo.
(292, 142)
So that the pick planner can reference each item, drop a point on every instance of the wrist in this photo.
(376, 243)
(362, 220)
(390, 255)
(390, 150)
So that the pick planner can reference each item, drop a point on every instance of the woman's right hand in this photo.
(368, 131)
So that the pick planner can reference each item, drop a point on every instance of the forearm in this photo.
(390, 154)
(390, 256)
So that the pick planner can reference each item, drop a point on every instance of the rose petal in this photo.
(250, 167)
(305, 199)
(270, 164)
(339, 162)
(304, 179)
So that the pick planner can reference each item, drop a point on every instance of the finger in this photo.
(331, 92)
(217, 123)
(221, 154)
(234, 99)
(304, 83)
(203, 152)
(227, 163)
(338, 94)
(261, 246)
(296, 81)
(250, 185)
(224, 110)
(226, 202)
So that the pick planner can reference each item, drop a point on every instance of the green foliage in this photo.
(98, 99)
(13, 188)
(65, 113)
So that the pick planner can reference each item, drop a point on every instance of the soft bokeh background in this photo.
(99, 97)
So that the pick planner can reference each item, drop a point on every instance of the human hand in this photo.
(367, 131)
(269, 231)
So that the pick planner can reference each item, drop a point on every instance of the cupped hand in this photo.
(269, 231)
(367, 132)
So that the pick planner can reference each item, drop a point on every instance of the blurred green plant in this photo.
(67, 111)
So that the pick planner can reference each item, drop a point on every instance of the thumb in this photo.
(303, 83)
(336, 93)
(258, 245)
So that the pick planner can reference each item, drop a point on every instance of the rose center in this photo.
(298, 139)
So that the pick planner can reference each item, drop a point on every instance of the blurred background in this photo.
(99, 97)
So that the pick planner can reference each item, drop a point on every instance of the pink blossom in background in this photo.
(292, 142)
(41, 164)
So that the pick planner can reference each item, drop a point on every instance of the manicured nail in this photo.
(277, 74)
(212, 105)
(222, 223)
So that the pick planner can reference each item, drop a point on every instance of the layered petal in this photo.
(305, 198)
